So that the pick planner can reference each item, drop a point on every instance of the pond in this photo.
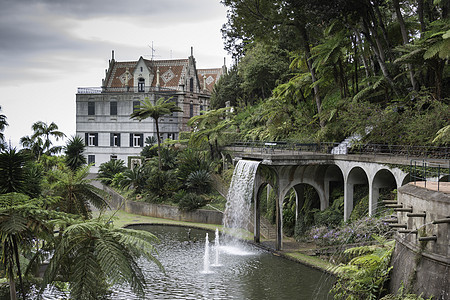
(246, 272)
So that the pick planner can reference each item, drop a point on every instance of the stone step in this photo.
(394, 205)
(404, 209)
(398, 225)
(389, 201)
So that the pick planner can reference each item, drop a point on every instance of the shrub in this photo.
(191, 202)
(366, 274)
(189, 161)
(359, 231)
(161, 184)
(199, 181)
(108, 170)
(332, 216)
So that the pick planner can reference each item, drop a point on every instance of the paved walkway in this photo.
(443, 187)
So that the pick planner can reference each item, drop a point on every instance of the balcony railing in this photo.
(146, 89)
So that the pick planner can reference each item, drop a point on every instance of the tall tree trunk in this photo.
(19, 272)
(12, 289)
(405, 41)
(159, 144)
(309, 62)
(423, 28)
(363, 58)
(355, 60)
(378, 54)
(380, 23)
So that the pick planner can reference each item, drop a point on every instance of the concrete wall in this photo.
(163, 211)
(423, 267)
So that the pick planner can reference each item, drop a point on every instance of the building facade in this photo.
(103, 113)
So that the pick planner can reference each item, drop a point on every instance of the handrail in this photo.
(326, 147)
(424, 170)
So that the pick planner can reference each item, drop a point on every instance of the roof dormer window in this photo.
(141, 85)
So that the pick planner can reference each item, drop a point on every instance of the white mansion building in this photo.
(103, 113)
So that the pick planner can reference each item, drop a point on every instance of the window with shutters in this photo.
(115, 140)
(136, 105)
(136, 140)
(113, 108)
(91, 139)
(91, 108)
(91, 159)
(113, 157)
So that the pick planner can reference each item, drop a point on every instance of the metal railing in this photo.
(429, 171)
(402, 150)
(262, 147)
(407, 151)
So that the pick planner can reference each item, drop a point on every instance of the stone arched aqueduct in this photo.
(319, 170)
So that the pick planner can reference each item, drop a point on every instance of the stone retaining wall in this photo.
(422, 267)
(163, 211)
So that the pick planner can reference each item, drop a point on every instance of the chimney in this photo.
(112, 55)
(157, 77)
(192, 51)
(204, 83)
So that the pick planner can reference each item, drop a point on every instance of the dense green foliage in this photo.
(156, 110)
(366, 274)
(184, 178)
(46, 206)
(74, 150)
(377, 68)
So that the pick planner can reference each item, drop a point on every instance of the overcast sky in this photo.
(48, 48)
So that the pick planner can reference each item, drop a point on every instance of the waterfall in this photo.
(238, 208)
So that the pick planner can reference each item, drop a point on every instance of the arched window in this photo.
(191, 84)
(141, 85)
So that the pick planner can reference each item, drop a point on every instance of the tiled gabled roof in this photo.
(172, 73)
(211, 77)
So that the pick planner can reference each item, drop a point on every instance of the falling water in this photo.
(216, 248)
(237, 211)
(206, 269)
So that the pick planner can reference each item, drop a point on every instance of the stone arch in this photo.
(291, 207)
(406, 180)
(383, 179)
(333, 178)
(356, 176)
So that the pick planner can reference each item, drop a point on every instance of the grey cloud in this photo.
(96, 8)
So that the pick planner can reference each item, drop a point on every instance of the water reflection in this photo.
(248, 273)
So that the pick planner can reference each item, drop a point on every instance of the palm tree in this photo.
(39, 142)
(21, 222)
(108, 170)
(92, 255)
(134, 179)
(76, 192)
(74, 153)
(210, 127)
(3, 125)
(161, 108)
(12, 177)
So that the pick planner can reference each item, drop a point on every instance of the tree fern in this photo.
(95, 256)
(365, 275)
